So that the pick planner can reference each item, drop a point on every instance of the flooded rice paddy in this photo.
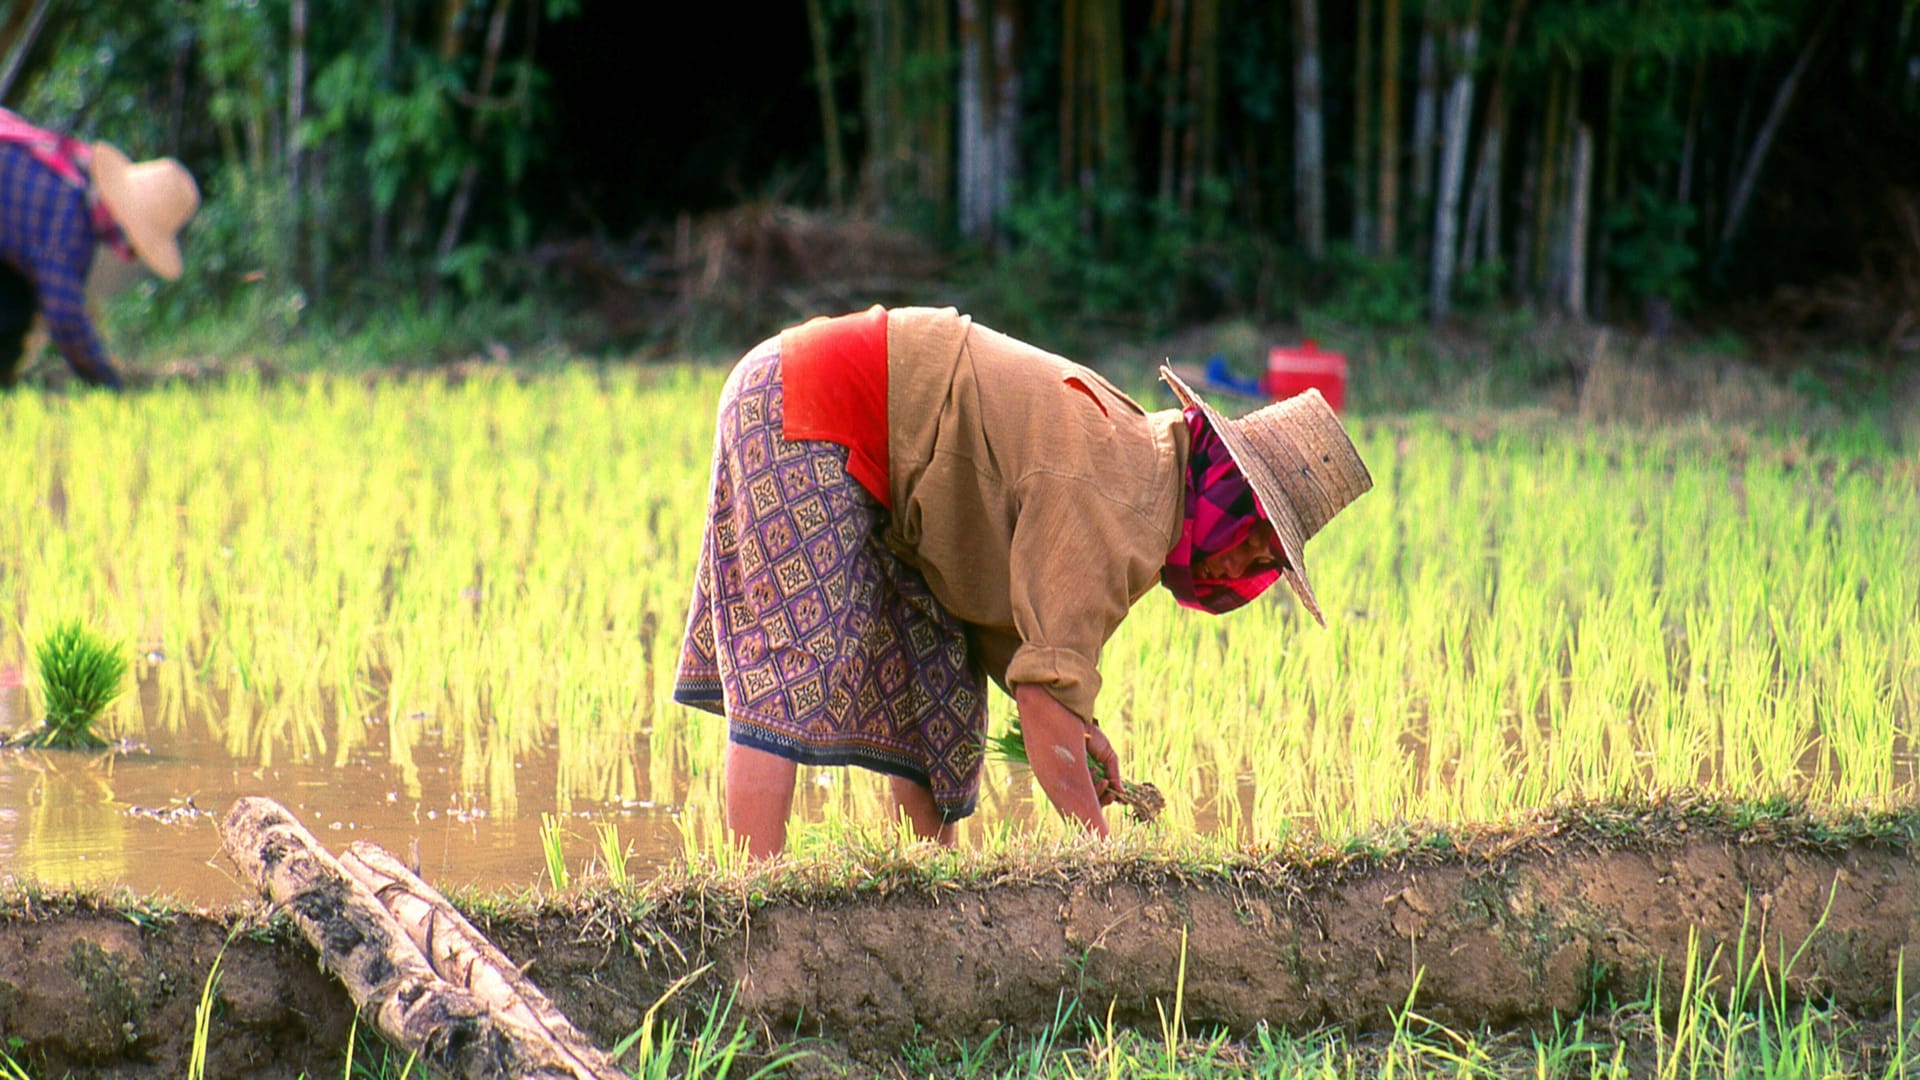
(141, 816)
(443, 616)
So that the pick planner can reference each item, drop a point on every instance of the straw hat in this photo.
(151, 201)
(1301, 464)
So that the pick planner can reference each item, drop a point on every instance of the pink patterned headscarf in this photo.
(1220, 510)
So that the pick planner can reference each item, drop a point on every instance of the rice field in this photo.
(469, 594)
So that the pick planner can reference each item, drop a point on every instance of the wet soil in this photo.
(1503, 927)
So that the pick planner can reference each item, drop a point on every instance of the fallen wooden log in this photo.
(447, 1027)
(461, 955)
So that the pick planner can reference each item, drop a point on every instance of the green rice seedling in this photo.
(203, 1019)
(709, 1052)
(552, 849)
(1141, 798)
(613, 855)
(1902, 1037)
(643, 1036)
(1174, 1033)
(373, 1058)
(81, 673)
(496, 572)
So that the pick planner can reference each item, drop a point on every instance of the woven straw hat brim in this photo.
(1289, 432)
(151, 201)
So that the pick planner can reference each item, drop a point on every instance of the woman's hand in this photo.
(1057, 747)
(1103, 752)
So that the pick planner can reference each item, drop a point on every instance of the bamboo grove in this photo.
(1157, 160)
(1564, 152)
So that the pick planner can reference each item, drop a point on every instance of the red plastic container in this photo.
(1292, 369)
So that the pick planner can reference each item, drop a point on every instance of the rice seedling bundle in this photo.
(80, 674)
(498, 570)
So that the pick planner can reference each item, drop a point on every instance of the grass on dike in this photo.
(1716, 1032)
(1719, 1027)
(1525, 609)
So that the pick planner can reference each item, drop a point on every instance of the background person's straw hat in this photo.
(1301, 464)
(151, 201)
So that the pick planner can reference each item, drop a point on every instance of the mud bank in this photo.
(1502, 927)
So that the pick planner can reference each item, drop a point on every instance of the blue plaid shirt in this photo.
(46, 233)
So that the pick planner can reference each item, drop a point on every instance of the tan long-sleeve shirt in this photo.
(1037, 499)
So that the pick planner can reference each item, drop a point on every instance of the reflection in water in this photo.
(123, 817)
(470, 801)
(79, 831)
(468, 797)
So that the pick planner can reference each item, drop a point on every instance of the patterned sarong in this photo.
(815, 641)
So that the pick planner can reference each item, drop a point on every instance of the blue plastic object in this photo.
(1221, 377)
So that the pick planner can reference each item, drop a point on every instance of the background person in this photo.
(61, 198)
(905, 500)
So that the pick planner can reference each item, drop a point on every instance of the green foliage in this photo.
(81, 674)
(356, 98)
(1585, 31)
(395, 122)
(1650, 252)
(1373, 291)
(280, 331)
(393, 118)
(1115, 258)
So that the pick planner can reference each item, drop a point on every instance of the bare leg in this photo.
(917, 806)
(759, 798)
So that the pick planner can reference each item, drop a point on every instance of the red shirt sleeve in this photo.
(833, 376)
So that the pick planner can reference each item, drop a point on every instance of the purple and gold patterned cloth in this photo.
(815, 641)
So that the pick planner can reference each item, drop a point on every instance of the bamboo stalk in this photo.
(363, 943)
(1453, 158)
(1743, 186)
(1176, 31)
(1484, 204)
(1070, 90)
(296, 114)
(1579, 212)
(19, 40)
(1389, 205)
(829, 108)
(1426, 108)
(462, 956)
(1363, 129)
(1547, 177)
(1309, 150)
(1203, 93)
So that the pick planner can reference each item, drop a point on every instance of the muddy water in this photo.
(143, 815)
